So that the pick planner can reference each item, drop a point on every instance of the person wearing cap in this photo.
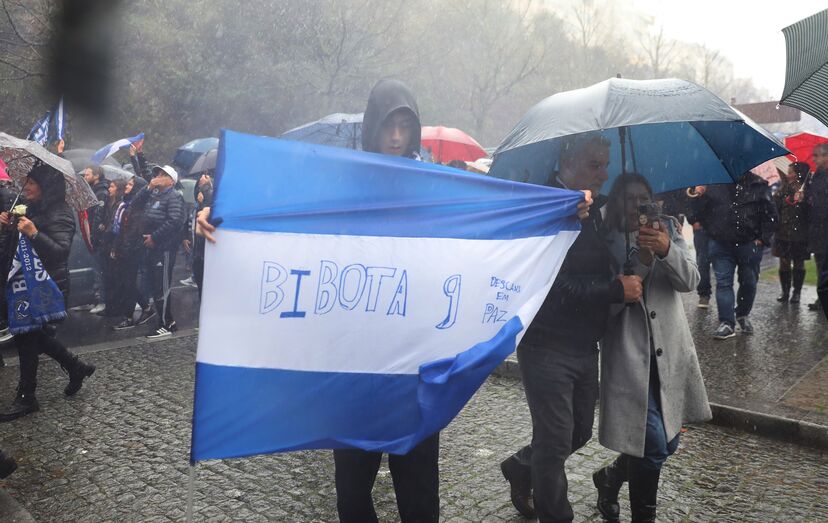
(162, 227)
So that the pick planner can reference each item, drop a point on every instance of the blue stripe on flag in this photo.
(246, 411)
(328, 190)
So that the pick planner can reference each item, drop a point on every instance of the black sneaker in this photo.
(724, 332)
(744, 325)
(7, 465)
(146, 316)
(126, 324)
(21, 406)
(163, 332)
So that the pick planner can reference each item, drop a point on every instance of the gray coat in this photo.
(626, 352)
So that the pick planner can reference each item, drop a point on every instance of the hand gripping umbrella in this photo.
(673, 132)
(21, 155)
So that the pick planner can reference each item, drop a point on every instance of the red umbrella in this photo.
(802, 146)
(447, 144)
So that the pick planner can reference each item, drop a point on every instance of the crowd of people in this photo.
(619, 288)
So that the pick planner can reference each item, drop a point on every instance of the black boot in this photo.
(608, 481)
(24, 403)
(798, 280)
(520, 483)
(7, 465)
(78, 372)
(785, 281)
(643, 482)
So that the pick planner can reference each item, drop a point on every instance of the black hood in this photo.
(138, 183)
(52, 186)
(386, 97)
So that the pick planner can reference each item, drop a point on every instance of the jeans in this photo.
(701, 241)
(415, 476)
(727, 258)
(656, 447)
(561, 391)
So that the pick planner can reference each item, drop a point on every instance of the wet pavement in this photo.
(118, 452)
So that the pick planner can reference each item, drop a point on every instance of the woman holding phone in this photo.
(651, 382)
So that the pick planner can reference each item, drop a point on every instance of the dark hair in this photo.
(823, 147)
(97, 171)
(457, 164)
(615, 204)
(801, 169)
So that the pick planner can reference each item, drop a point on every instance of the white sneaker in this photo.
(98, 308)
(5, 335)
(189, 282)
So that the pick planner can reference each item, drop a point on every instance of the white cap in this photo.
(168, 170)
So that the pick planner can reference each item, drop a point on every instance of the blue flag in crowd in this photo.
(355, 300)
(40, 131)
(109, 149)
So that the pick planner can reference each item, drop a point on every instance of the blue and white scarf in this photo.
(33, 298)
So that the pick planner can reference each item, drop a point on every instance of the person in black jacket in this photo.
(162, 227)
(94, 176)
(790, 243)
(740, 219)
(127, 254)
(558, 356)
(816, 199)
(50, 225)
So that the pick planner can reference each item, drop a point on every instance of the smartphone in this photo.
(649, 215)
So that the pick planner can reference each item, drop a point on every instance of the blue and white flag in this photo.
(60, 123)
(355, 300)
(40, 131)
(109, 149)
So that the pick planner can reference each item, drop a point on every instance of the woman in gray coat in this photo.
(650, 378)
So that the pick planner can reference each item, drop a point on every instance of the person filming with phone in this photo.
(651, 382)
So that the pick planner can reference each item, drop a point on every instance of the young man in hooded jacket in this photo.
(391, 125)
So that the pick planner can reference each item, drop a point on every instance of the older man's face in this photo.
(587, 170)
(820, 158)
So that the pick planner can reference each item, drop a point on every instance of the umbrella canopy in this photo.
(187, 154)
(337, 130)
(205, 162)
(112, 173)
(802, 146)
(21, 155)
(82, 158)
(677, 134)
(806, 70)
(447, 144)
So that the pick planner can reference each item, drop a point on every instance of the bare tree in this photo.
(659, 51)
(24, 34)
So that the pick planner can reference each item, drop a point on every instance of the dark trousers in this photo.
(30, 346)
(416, 483)
(727, 259)
(701, 242)
(125, 285)
(198, 272)
(159, 267)
(561, 391)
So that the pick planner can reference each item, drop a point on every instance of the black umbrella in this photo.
(806, 73)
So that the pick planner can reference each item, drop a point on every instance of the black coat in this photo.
(793, 216)
(738, 213)
(97, 214)
(164, 215)
(816, 196)
(55, 224)
(574, 315)
(129, 241)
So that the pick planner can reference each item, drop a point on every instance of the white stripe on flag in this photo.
(365, 303)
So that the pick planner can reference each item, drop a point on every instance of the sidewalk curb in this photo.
(770, 426)
(11, 511)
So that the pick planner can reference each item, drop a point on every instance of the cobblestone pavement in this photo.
(118, 452)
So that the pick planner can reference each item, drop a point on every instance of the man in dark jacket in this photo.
(816, 198)
(740, 220)
(50, 225)
(162, 225)
(94, 176)
(558, 356)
